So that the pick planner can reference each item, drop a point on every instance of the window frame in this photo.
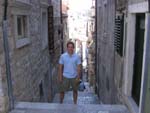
(23, 1)
(44, 36)
(23, 26)
(21, 40)
(21, 10)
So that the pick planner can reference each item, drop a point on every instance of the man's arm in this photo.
(60, 73)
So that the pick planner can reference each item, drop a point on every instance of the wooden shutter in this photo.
(119, 27)
(50, 29)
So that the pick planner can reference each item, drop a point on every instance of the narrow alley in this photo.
(74, 56)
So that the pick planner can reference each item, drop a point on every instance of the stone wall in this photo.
(65, 22)
(33, 70)
(120, 61)
(91, 64)
(65, 31)
(121, 9)
(105, 51)
(121, 4)
(30, 64)
(114, 77)
(57, 44)
(110, 64)
(3, 83)
(136, 1)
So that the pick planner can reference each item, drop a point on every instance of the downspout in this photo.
(149, 5)
(96, 44)
(7, 60)
(61, 16)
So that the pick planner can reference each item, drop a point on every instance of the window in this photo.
(21, 26)
(44, 29)
(20, 12)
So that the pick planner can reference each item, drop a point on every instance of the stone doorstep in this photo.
(68, 107)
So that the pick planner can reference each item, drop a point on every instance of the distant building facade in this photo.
(91, 45)
(65, 25)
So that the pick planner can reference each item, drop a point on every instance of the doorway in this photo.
(138, 58)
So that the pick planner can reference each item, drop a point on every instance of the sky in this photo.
(79, 5)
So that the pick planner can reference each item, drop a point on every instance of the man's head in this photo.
(70, 47)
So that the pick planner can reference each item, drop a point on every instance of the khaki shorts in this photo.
(67, 83)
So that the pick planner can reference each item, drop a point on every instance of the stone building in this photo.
(32, 64)
(122, 53)
(105, 21)
(91, 45)
(55, 41)
(136, 56)
(65, 22)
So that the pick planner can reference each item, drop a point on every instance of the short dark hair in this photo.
(70, 43)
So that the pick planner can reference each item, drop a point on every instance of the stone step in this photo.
(83, 98)
(27, 107)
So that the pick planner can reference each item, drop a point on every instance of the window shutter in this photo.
(50, 30)
(118, 41)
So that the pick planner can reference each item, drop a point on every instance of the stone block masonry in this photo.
(57, 44)
(30, 63)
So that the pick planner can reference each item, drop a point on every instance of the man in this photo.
(69, 72)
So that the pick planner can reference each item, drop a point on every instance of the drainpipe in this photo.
(61, 16)
(7, 60)
(149, 5)
(96, 44)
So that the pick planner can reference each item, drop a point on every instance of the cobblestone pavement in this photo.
(84, 97)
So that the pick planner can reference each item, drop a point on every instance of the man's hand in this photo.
(79, 71)
(78, 77)
(60, 72)
(60, 79)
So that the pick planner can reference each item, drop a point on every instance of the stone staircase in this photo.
(27, 107)
(88, 102)
(83, 98)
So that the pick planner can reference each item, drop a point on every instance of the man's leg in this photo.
(63, 88)
(61, 97)
(75, 96)
(75, 84)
